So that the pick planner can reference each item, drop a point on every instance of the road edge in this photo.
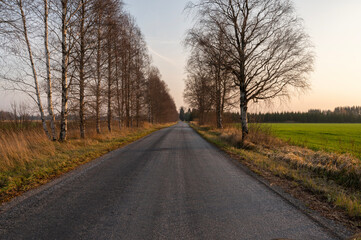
(58, 182)
(334, 228)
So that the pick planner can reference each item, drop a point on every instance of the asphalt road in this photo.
(169, 185)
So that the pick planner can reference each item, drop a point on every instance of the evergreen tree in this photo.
(181, 114)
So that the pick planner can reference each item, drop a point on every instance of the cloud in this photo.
(164, 58)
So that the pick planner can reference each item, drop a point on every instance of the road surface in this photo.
(170, 185)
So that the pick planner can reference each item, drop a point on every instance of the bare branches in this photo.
(268, 51)
(78, 55)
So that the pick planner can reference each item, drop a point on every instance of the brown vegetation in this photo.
(333, 178)
(88, 59)
(29, 159)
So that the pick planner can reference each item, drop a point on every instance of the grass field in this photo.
(340, 138)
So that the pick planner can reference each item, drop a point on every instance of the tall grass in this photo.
(20, 147)
(28, 158)
(259, 134)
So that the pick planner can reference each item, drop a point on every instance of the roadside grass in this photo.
(28, 159)
(339, 138)
(334, 178)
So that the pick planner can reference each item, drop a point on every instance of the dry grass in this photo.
(28, 158)
(336, 178)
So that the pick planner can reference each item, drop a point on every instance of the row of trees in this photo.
(86, 58)
(186, 116)
(256, 49)
(339, 115)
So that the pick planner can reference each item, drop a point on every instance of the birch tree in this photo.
(198, 89)
(68, 11)
(79, 54)
(85, 44)
(99, 11)
(270, 53)
(17, 27)
(64, 71)
(210, 48)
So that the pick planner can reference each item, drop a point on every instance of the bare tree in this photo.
(19, 29)
(81, 70)
(99, 9)
(48, 72)
(93, 55)
(270, 54)
(210, 47)
(110, 69)
(82, 55)
(198, 90)
(68, 10)
(161, 106)
(64, 72)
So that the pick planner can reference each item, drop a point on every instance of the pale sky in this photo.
(333, 25)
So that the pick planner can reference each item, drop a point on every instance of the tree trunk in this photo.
(97, 94)
(123, 90)
(137, 97)
(64, 77)
(137, 111)
(48, 72)
(81, 73)
(219, 112)
(218, 99)
(127, 102)
(35, 76)
(109, 85)
(201, 116)
(118, 87)
(244, 108)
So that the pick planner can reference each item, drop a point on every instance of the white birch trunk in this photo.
(35, 76)
(244, 109)
(64, 78)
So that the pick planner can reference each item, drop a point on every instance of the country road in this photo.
(169, 185)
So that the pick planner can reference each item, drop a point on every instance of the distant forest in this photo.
(339, 115)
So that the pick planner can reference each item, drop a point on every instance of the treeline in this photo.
(242, 52)
(83, 58)
(187, 116)
(339, 115)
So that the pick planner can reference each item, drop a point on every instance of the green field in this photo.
(340, 138)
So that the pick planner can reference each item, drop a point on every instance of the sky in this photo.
(164, 24)
(333, 25)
